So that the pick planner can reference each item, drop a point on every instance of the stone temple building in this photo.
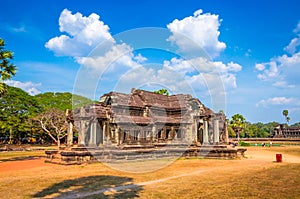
(144, 118)
(144, 125)
(283, 131)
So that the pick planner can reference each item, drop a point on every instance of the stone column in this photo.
(117, 131)
(154, 133)
(70, 135)
(82, 133)
(205, 132)
(226, 132)
(104, 132)
(195, 132)
(93, 133)
(216, 132)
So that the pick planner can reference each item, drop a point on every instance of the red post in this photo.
(278, 157)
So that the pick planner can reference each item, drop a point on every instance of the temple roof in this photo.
(142, 98)
(175, 108)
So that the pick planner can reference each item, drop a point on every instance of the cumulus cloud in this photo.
(283, 71)
(297, 29)
(270, 70)
(29, 87)
(82, 34)
(279, 101)
(118, 55)
(200, 69)
(292, 47)
(202, 29)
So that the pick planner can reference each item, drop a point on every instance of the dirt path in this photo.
(265, 155)
(22, 165)
(254, 157)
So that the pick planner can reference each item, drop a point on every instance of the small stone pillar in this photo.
(205, 132)
(82, 133)
(117, 132)
(216, 132)
(104, 133)
(70, 135)
(154, 133)
(93, 133)
(226, 132)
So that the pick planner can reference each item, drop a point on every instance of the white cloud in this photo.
(292, 47)
(283, 71)
(21, 29)
(270, 71)
(297, 29)
(139, 58)
(29, 87)
(260, 67)
(82, 34)
(203, 29)
(200, 69)
(279, 101)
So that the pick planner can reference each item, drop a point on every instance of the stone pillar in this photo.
(154, 133)
(70, 135)
(82, 133)
(93, 133)
(216, 132)
(195, 132)
(117, 132)
(205, 132)
(104, 132)
(226, 132)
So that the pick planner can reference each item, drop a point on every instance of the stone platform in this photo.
(80, 155)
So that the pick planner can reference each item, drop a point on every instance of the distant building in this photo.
(282, 131)
(145, 118)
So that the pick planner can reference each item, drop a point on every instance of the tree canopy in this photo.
(162, 92)
(237, 123)
(18, 110)
(7, 69)
(17, 107)
(285, 113)
(61, 101)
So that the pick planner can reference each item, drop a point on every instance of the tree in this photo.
(16, 107)
(61, 101)
(162, 92)
(7, 70)
(238, 123)
(53, 122)
(285, 113)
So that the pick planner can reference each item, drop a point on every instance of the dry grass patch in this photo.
(186, 178)
(20, 155)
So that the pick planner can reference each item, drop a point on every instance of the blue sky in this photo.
(253, 50)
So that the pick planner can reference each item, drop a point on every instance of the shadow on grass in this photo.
(103, 186)
(21, 158)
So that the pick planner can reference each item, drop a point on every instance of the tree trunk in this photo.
(238, 134)
(58, 142)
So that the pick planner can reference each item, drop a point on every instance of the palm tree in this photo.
(288, 119)
(238, 123)
(7, 70)
(285, 113)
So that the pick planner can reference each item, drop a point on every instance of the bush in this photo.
(244, 143)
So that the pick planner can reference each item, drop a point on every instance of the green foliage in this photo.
(231, 132)
(162, 92)
(16, 107)
(7, 70)
(241, 143)
(237, 123)
(18, 110)
(61, 101)
(285, 113)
